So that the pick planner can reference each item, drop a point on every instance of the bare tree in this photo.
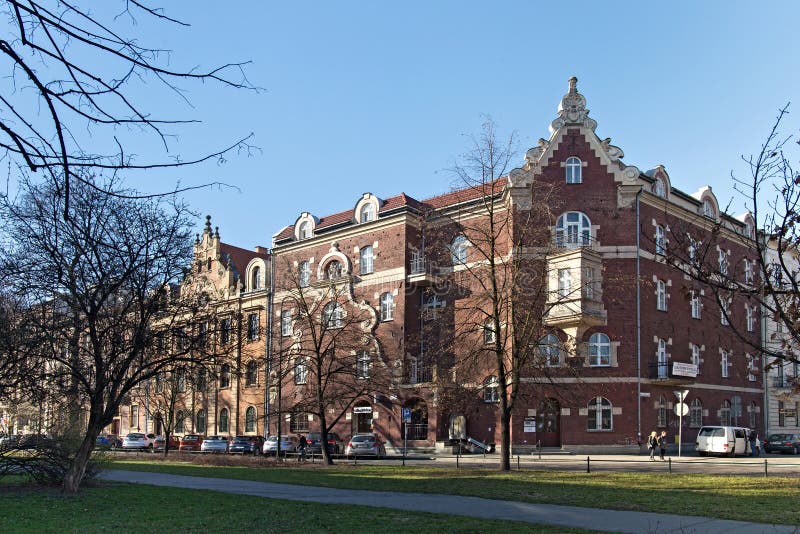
(768, 281)
(100, 296)
(327, 354)
(73, 76)
(506, 297)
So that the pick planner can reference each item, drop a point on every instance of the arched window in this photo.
(300, 370)
(550, 350)
(725, 413)
(367, 213)
(695, 414)
(599, 415)
(362, 364)
(708, 209)
(251, 373)
(333, 270)
(599, 350)
(387, 306)
(332, 315)
(658, 188)
(366, 259)
(661, 242)
(255, 279)
(250, 419)
(662, 412)
(573, 229)
(200, 422)
(573, 167)
(223, 420)
(225, 376)
(458, 250)
(491, 389)
(304, 274)
(304, 231)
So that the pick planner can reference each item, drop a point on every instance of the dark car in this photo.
(106, 442)
(246, 445)
(782, 443)
(191, 442)
(335, 443)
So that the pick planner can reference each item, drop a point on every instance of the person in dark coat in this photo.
(662, 444)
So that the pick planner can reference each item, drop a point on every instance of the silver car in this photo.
(288, 444)
(365, 445)
(214, 444)
(137, 440)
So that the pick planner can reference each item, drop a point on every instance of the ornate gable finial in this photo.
(216, 232)
(572, 109)
(207, 229)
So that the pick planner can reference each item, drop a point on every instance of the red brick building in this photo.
(621, 328)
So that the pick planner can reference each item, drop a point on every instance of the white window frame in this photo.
(588, 283)
(694, 304)
(661, 240)
(573, 229)
(696, 414)
(458, 250)
(661, 359)
(300, 370)
(597, 408)
(658, 188)
(661, 421)
(304, 274)
(549, 349)
(725, 363)
(599, 350)
(304, 230)
(489, 335)
(749, 318)
(332, 315)
(573, 170)
(363, 364)
(366, 263)
(286, 323)
(748, 271)
(722, 260)
(367, 213)
(724, 311)
(661, 295)
(695, 355)
(387, 306)
(491, 389)
(751, 367)
(564, 283)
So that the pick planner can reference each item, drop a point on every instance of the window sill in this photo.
(601, 430)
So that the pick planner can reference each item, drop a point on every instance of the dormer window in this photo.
(304, 231)
(333, 270)
(708, 209)
(658, 189)
(367, 213)
(573, 167)
(255, 279)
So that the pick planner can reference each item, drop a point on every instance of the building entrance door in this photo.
(362, 418)
(548, 423)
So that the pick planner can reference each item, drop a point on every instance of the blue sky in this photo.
(378, 97)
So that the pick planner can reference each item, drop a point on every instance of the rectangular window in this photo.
(366, 260)
(725, 363)
(588, 283)
(750, 316)
(661, 295)
(748, 272)
(696, 356)
(661, 248)
(286, 323)
(300, 371)
(695, 304)
(225, 331)
(564, 283)
(252, 326)
(751, 368)
(362, 365)
(781, 414)
(723, 263)
(723, 312)
(134, 423)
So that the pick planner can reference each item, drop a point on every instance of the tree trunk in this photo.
(77, 470)
(505, 439)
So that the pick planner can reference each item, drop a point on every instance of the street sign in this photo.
(681, 394)
(406, 415)
(681, 409)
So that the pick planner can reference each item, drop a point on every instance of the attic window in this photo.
(708, 209)
(367, 213)
(658, 188)
(304, 231)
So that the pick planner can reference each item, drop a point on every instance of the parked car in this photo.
(32, 441)
(246, 445)
(138, 440)
(107, 442)
(365, 445)
(722, 440)
(335, 443)
(214, 444)
(288, 444)
(160, 442)
(9, 441)
(782, 443)
(191, 442)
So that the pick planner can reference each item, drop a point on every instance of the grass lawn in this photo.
(135, 508)
(766, 500)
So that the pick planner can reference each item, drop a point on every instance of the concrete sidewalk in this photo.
(546, 514)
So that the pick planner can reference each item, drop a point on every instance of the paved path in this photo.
(566, 516)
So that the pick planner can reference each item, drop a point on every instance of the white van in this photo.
(722, 440)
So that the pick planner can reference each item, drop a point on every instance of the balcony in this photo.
(583, 311)
(568, 240)
(421, 272)
(781, 382)
(672, 373)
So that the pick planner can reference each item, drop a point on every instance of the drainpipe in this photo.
(268, 363)
(638, 330)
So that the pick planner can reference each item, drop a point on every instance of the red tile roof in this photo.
(398, 201)
(239, 256)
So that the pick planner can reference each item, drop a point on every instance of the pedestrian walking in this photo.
(652, 445)
(302, 443)
(662, 444)
(755, 449)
